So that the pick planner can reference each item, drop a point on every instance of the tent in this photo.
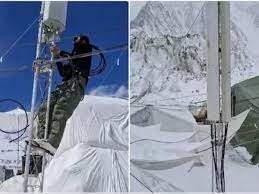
(246, 95)
(11, 153)
(181, 119)
(13, 120)
(93, 153)
(166, 139)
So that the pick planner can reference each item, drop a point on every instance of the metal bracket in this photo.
(49, 35)
(44, 67)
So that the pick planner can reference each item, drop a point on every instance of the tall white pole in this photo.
(218, 15)
(213, 84)
(46, 124)
(225, 60)
(33, 102)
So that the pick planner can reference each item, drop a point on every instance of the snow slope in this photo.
(93, 153)
(165, 62)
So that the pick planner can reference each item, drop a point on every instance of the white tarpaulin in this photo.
(179, 119)
(93, 153)
(13, 120)
(88, 169)
(155, 152)
(10, 153)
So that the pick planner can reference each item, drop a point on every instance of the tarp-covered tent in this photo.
(181, 119)
(166, 139)
(93, 153)
(246, 95)
(151, 126)
(12, 121)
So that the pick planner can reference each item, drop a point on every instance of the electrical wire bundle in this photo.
(102, 64)
(23, 130)
(218, 146)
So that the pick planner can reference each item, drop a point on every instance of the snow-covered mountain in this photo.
(166, 62)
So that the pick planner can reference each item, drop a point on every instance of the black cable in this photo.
(23, 108)
(141, 183)
(17, 138)
(203, 150)
(102, 64)
(223, 157)
(214, 159)
(27, 120)
(217, 141)
(158, 141)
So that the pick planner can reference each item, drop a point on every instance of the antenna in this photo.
(219, 80)
(52, 23)
(54, 20)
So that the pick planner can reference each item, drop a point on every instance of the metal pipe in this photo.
(33, 103)
(46, 123)
(48, 101)
(48, 104)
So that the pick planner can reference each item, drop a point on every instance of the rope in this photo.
(15, 70)
(196, 18)
(108, 50)
(20, 37)
(70, 36)
(26, 67)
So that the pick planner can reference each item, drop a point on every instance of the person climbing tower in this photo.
(67, 95)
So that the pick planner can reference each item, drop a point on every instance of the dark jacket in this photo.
(80, 66)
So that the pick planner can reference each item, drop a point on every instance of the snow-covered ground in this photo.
(93, 153)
